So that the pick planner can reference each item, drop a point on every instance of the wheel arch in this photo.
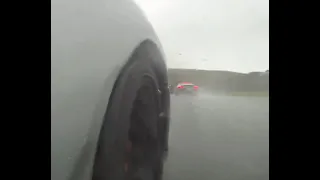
(158, 58)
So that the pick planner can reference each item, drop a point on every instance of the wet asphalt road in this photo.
(218, 138)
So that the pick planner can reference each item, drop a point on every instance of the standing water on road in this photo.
(218, 137)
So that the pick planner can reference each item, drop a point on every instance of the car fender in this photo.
(91, 40)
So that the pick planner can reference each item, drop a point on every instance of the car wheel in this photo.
(134, 134)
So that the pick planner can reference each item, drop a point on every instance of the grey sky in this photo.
(212, 34)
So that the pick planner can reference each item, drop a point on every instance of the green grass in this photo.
(255, 94)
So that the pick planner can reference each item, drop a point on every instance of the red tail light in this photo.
(180, 87)
(196, 87)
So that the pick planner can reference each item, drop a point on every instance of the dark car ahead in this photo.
(186, 88)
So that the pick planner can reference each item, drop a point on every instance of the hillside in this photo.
(225, 81)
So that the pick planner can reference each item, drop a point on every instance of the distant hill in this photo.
(226, 81)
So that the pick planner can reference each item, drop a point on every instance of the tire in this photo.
(132, 119)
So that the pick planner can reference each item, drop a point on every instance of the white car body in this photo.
(91, 40)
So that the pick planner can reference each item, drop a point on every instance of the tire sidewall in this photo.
(146, 60)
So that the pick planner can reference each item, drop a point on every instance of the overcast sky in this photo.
(212, 34)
